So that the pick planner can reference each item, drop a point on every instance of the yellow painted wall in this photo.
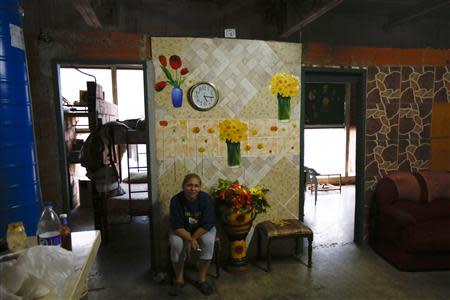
(440, 137)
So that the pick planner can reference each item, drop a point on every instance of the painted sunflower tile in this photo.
(288, 146)
(263, 128)
(262, 146)
(289, 129)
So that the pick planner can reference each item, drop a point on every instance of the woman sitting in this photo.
(193, 229)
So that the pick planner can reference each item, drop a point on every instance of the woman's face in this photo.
(191, 189)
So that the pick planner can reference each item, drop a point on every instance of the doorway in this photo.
(119, 92)
(333, 118)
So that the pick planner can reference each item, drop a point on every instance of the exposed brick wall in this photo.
(335, 55)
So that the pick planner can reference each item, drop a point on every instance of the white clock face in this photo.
(204, 96)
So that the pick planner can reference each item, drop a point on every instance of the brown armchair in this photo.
(412, 222)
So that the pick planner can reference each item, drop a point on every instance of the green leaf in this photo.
(169, 76)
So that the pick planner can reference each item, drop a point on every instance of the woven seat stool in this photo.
(290, 228)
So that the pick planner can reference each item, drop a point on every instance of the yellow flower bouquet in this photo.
(233, 132)
(284, 86)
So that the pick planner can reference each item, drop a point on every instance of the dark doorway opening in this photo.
(345, 217)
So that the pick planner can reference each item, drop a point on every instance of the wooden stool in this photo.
(292, 228)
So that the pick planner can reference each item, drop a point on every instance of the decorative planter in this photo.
(284, 108)
(237, 226)
(234, 154)
(177, 97)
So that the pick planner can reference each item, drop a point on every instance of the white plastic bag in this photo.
(39, 270)
(6, 295)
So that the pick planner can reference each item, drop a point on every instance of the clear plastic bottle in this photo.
(66, 233)
(48, 229)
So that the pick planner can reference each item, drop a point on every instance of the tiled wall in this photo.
(241, 70)
(399, 112)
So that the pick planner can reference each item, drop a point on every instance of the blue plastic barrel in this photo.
(19, 184)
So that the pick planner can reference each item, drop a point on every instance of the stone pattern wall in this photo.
(398, 118)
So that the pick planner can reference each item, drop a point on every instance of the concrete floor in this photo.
(341, 270)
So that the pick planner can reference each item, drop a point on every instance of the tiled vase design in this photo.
(284, 108)
(233, 154)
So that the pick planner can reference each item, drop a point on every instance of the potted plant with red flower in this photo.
(175, 81)
(239, 206)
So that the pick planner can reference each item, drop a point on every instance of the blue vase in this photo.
(177, 97)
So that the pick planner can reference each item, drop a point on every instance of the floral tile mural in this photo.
(172, 77)
(200, 138)
(189, 140)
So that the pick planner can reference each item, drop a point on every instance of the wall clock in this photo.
(203, 96)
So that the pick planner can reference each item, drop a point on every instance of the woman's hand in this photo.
(194, 244)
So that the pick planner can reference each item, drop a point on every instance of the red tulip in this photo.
(163, 60)
(159, 86)
(175, 62)
(184, 71)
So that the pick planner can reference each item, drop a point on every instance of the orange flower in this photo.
(195, 130)
(273, 128)
(211, 130)
(163, 123)
(235, 185)
(241, 200)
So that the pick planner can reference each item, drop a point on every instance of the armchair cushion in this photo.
(396, 186)
(435, 185)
